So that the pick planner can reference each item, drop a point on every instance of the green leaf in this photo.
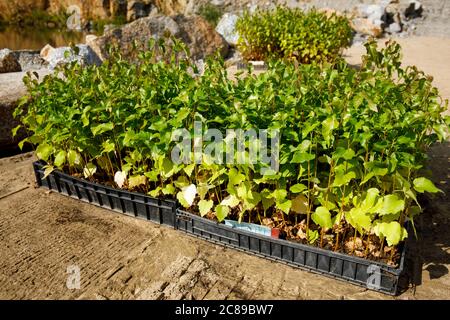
(369, 201)
(300, 204)
(167, 167)
(73, 157)
(235, 177)
(108, 146)
(230, 201)
(222, 212)
(155, 192)
(89, 170)
(312, 236)
(279, 194)
(182, 200)
(300, 157)
(101, 128)
(169, 189)
(60, 158)
(189, 168)
(322, 217)
(266, 199)
(284, 205)
(328, 125)
(136, 181)
(423, 184)
(14, 131)
(181, 182)
(392, 204)
(341, 179)
(205, 206)
(297, 188)
(392, 231)
(48, 169)
(202, 190)
(359, 219)
(43, 151)
(346, 154)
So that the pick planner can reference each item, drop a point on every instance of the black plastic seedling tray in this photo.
(130, 203)
(367, 273)
(370, 274)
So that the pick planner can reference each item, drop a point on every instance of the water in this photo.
(17, 38)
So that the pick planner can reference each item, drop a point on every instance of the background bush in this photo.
(292, 33)
(211, 13)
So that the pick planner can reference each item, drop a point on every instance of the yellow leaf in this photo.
(300, 204)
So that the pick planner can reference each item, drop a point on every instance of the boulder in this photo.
(200, 37)
(395, 28)
(371, 11)
(8, 62)
(139, 9)
(12, 89)
(45, 51)
(174, 7)
(414, 10)
(367, 27)
(30, 60)
(226, 28)
(57, 56)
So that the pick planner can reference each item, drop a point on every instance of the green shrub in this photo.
(40, 19)
(353, 142)
(211, 13)
(98, 25)
(294, 34)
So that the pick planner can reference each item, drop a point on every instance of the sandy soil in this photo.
(42, 234)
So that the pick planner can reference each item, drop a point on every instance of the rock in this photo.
(117, 8)
(45, 51)
(226, 28)
(30, 60)
(109, 27)
(91, 41)
(8, 62)
(57, 56)
(371, 11)
(218, 3)
(12, 89)
(200, 37)
(139, 9)
(174, 7)
(367, 27)
(395, 28)
(90, 38)
(414, 10)
(392, 7)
